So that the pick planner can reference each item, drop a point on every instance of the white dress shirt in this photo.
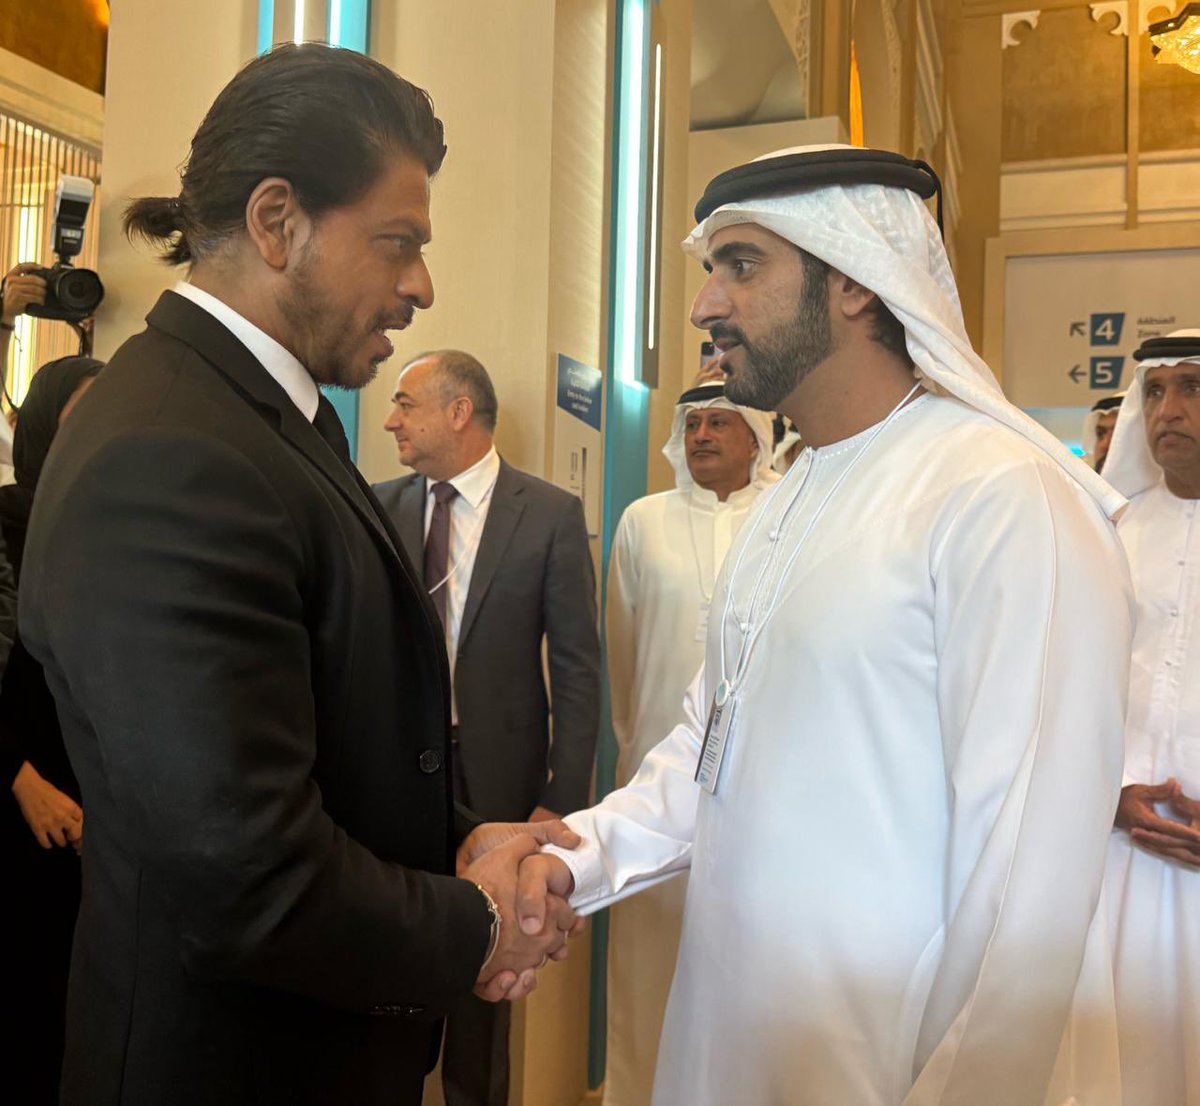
(287, 372)
(468, 514)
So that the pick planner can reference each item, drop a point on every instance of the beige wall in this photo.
(157, 95)
(491, 202)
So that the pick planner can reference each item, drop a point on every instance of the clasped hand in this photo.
(1137, 812)
(536, 919)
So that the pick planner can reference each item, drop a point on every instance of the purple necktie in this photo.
(437, 546)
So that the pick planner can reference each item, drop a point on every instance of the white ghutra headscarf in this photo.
(1131, 467)
(884, 238)
(1108, 405)
(712, 394)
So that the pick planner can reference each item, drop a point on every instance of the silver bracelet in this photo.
(494, 911)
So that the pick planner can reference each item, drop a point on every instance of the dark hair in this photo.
(321, 117)
(886, 329)
(50, 391)
(463, 375)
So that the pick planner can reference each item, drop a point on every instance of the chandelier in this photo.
(1176, 41)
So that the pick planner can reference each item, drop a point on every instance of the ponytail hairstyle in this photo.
(160, 219)
(323, 118)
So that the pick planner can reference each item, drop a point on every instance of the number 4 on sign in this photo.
(1106, 328)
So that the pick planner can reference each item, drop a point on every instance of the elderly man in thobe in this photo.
(1154, 858)
(898, 765)
(666, 556)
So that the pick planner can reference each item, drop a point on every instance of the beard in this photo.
(774, 365)
(328, 345)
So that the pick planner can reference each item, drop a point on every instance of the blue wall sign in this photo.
(580, 389)
(1105, 328)
(1105, 372)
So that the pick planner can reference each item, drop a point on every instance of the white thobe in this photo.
(666, 556)
(892, 887)
(1154, 903)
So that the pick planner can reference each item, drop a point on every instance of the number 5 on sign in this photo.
(1106, 328)
(1105, 372)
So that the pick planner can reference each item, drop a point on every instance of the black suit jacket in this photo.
(532, 579)
(253, 694)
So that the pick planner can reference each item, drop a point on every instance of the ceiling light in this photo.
(1176, 41)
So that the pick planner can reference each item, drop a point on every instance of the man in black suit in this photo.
(251, 680)
(506, 561)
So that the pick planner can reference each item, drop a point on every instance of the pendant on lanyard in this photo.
(724, 705)
(716, 736)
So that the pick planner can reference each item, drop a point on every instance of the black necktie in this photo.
(329, 426)
(437, 546)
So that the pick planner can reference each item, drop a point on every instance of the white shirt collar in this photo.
(476, 483)
(287, 372)
(735, 500)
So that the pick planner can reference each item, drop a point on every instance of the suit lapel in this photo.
(410, 518)
(503, 515)
(217, 345)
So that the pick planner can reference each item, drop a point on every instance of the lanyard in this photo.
(730, 682)
(481, 513)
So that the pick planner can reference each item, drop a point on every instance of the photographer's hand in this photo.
(53, 817)
(20, 290)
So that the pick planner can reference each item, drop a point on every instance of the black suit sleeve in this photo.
(173, 604)
(573, 651)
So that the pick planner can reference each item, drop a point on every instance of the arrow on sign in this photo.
(1076, 328)
(1076, 373)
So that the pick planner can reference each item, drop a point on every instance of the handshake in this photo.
(530, 891)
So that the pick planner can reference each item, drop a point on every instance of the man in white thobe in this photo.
(1098, 428)
(899, 763)
(666, 555)
(1154, 857)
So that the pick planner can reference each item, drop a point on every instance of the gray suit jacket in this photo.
(532, 578)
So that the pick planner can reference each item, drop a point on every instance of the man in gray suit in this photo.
(505, 559)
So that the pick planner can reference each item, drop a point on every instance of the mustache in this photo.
(724, 330)
(388, 321)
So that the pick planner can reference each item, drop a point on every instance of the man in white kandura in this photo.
(1098, 428)
(899, 764)
(1153, 886)
(666, 555)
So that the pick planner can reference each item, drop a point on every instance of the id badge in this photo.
(716, 736)
(702, 624)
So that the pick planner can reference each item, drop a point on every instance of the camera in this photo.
(71, 294)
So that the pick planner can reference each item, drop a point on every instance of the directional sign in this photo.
(1105, 329)
(1072, 321)
(1105, 372)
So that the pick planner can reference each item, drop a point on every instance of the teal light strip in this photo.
(349, 23)
(266, 24)
(627, 404)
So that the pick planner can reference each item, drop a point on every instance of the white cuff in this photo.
(588, 870)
